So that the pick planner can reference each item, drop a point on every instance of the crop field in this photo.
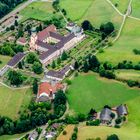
(91, 10)
(13, 101)
(123, 47)
(69, 130)
(89, 91)
(136, 8)
(37, 10)
(128, 74)
(121, 5)
(4, 60)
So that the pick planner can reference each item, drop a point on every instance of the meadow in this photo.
(121, 5)
(136, 8)
(122, 49)
(97, 12)
(90, 91)
(4, 60)
(37, 10)
(13, 101)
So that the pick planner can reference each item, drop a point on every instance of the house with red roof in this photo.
(46, 91)
(22, 41)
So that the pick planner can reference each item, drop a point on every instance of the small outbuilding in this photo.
(122, 110)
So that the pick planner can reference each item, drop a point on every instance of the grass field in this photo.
(13, 101)
(122, 5)
(136, 8)
(69, 130)
(123, 48)
(37, 10)
(4, 60)
(88, 91)
(91, 10)
(11, 137)
(128, 74)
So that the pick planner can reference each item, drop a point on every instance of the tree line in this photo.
(7, 5)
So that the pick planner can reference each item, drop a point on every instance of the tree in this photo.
(85, 67)
(15, 78)
(64, 12)
(53, 64)
(35, 86)
(76, 65)
(16, 23)
(64, 56)
(37, 67)
(86, 25)
(107, 28)
(12, 27)
(113, 137)
(58, 60)
(31, 58)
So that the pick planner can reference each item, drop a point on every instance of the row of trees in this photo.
(7, 5)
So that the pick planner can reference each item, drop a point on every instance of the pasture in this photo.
(89, 91)
(37, 10)
(121, 5)
(13, 101)
(136, 8)
(91, 10)
(122, 49)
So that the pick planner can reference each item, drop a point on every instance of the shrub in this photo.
(64, 132)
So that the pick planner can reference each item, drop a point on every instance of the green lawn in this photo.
(13, 101)
(122, 5)
(88, 91)
(136, 8)
(38, 10)
(4, 60)
(128, 74)
(96, 11)
(123, 48)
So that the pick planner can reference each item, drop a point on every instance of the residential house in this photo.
(47, 91)
(22, 41)
(105, 115)
(122, 110)
(58, 76)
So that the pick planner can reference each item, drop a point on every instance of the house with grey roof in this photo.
(57, 76)
(122, 110)
(105, 115)
(16, 59)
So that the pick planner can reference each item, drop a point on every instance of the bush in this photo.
(118, 120)
(93, 123)
(64, 132)
(68, 82)
(113, 137)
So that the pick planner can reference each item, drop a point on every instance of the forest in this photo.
(7, 5)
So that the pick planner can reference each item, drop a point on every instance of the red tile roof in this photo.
(22, 40)
(47, 88)
(45, 33)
